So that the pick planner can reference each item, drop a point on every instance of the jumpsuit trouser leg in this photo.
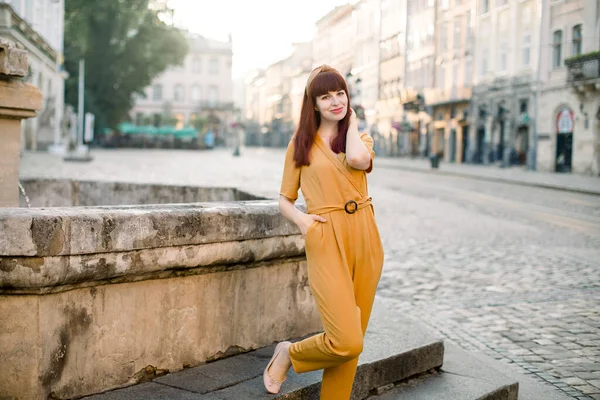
(343, 271)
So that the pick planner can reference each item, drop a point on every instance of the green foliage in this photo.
(125, 45)
(199, 123)
(583, 57)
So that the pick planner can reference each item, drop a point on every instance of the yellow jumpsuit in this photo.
(345, 258)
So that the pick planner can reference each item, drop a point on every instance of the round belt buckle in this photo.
(353, 207)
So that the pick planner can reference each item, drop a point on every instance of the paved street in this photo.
(508, 270)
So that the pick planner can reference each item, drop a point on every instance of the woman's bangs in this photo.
(325, 82)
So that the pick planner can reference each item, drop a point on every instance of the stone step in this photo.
(445, 386)
(462, 377)
(396, 348)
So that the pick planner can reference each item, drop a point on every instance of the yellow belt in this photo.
(350, 207)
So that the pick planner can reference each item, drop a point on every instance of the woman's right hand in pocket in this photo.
(307, 220)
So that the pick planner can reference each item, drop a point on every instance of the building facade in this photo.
(202, 87)
(449, 99)
(419, 76)
(568, 136)
(274, 98)
(505, 74)
(335, 41)
(363, 79)
(38, 25)
(392, 75)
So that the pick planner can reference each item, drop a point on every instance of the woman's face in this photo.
(333, 106)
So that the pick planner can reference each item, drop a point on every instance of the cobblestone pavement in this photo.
(507, 270)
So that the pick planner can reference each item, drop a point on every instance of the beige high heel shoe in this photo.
(272, 385)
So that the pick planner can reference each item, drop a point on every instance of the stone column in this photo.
(18, 100)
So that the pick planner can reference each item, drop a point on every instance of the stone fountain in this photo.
(96, 295)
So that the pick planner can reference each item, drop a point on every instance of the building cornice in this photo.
(13, 21)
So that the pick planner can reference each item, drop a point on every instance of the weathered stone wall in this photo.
(66, 192)
(100, 297)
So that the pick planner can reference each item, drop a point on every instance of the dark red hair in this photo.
(327, 80)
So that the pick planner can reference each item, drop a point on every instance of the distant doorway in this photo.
(522, 145)
(452, 145)
(564, 140)
(465, 143)
(480, 146)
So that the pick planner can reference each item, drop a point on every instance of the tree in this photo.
(125, 45)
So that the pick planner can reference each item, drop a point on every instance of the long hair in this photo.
(327, 80)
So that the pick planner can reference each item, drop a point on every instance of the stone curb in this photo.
(493, 179)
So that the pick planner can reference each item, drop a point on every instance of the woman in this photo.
(328, 159)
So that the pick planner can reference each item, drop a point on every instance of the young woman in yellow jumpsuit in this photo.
(328, 159)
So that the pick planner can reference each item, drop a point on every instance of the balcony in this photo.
(584, 70)
(439, 97)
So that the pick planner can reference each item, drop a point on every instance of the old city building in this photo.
(38, 25)
(364, 75)
(449, 100)
(505, 72)
(505, 82)
(202, 87)
(569, 131)
(392, 61)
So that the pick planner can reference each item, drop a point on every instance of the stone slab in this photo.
(57, 231)
(19, 100)
(218, 375)
(147, 391)
(69, 192)
(448, 387)
(458, 361)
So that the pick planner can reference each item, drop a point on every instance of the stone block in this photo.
(13, 60)
(90, 340)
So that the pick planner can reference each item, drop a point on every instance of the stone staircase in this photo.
(401, 360)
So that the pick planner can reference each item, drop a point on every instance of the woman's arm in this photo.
(357, 154)
(292, 214)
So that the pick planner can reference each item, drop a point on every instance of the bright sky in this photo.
(262, 30)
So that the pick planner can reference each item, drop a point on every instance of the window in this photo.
(484, 61)
(576, 48)
(457, 26)
(455, 68)
(213, 66)
(468, 72)
(502, 56)
(526, 15)
(526, 50)
(196, 93)
(179, 94)
(213, 96)
(468, 28)
(196, 66)
(523, 105)
(444, 37)
(157, 92)
(501, 3)
(441, 76)
(445, 4)
(485, 6)
(557, 49)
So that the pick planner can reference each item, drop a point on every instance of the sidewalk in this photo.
(514, 175)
